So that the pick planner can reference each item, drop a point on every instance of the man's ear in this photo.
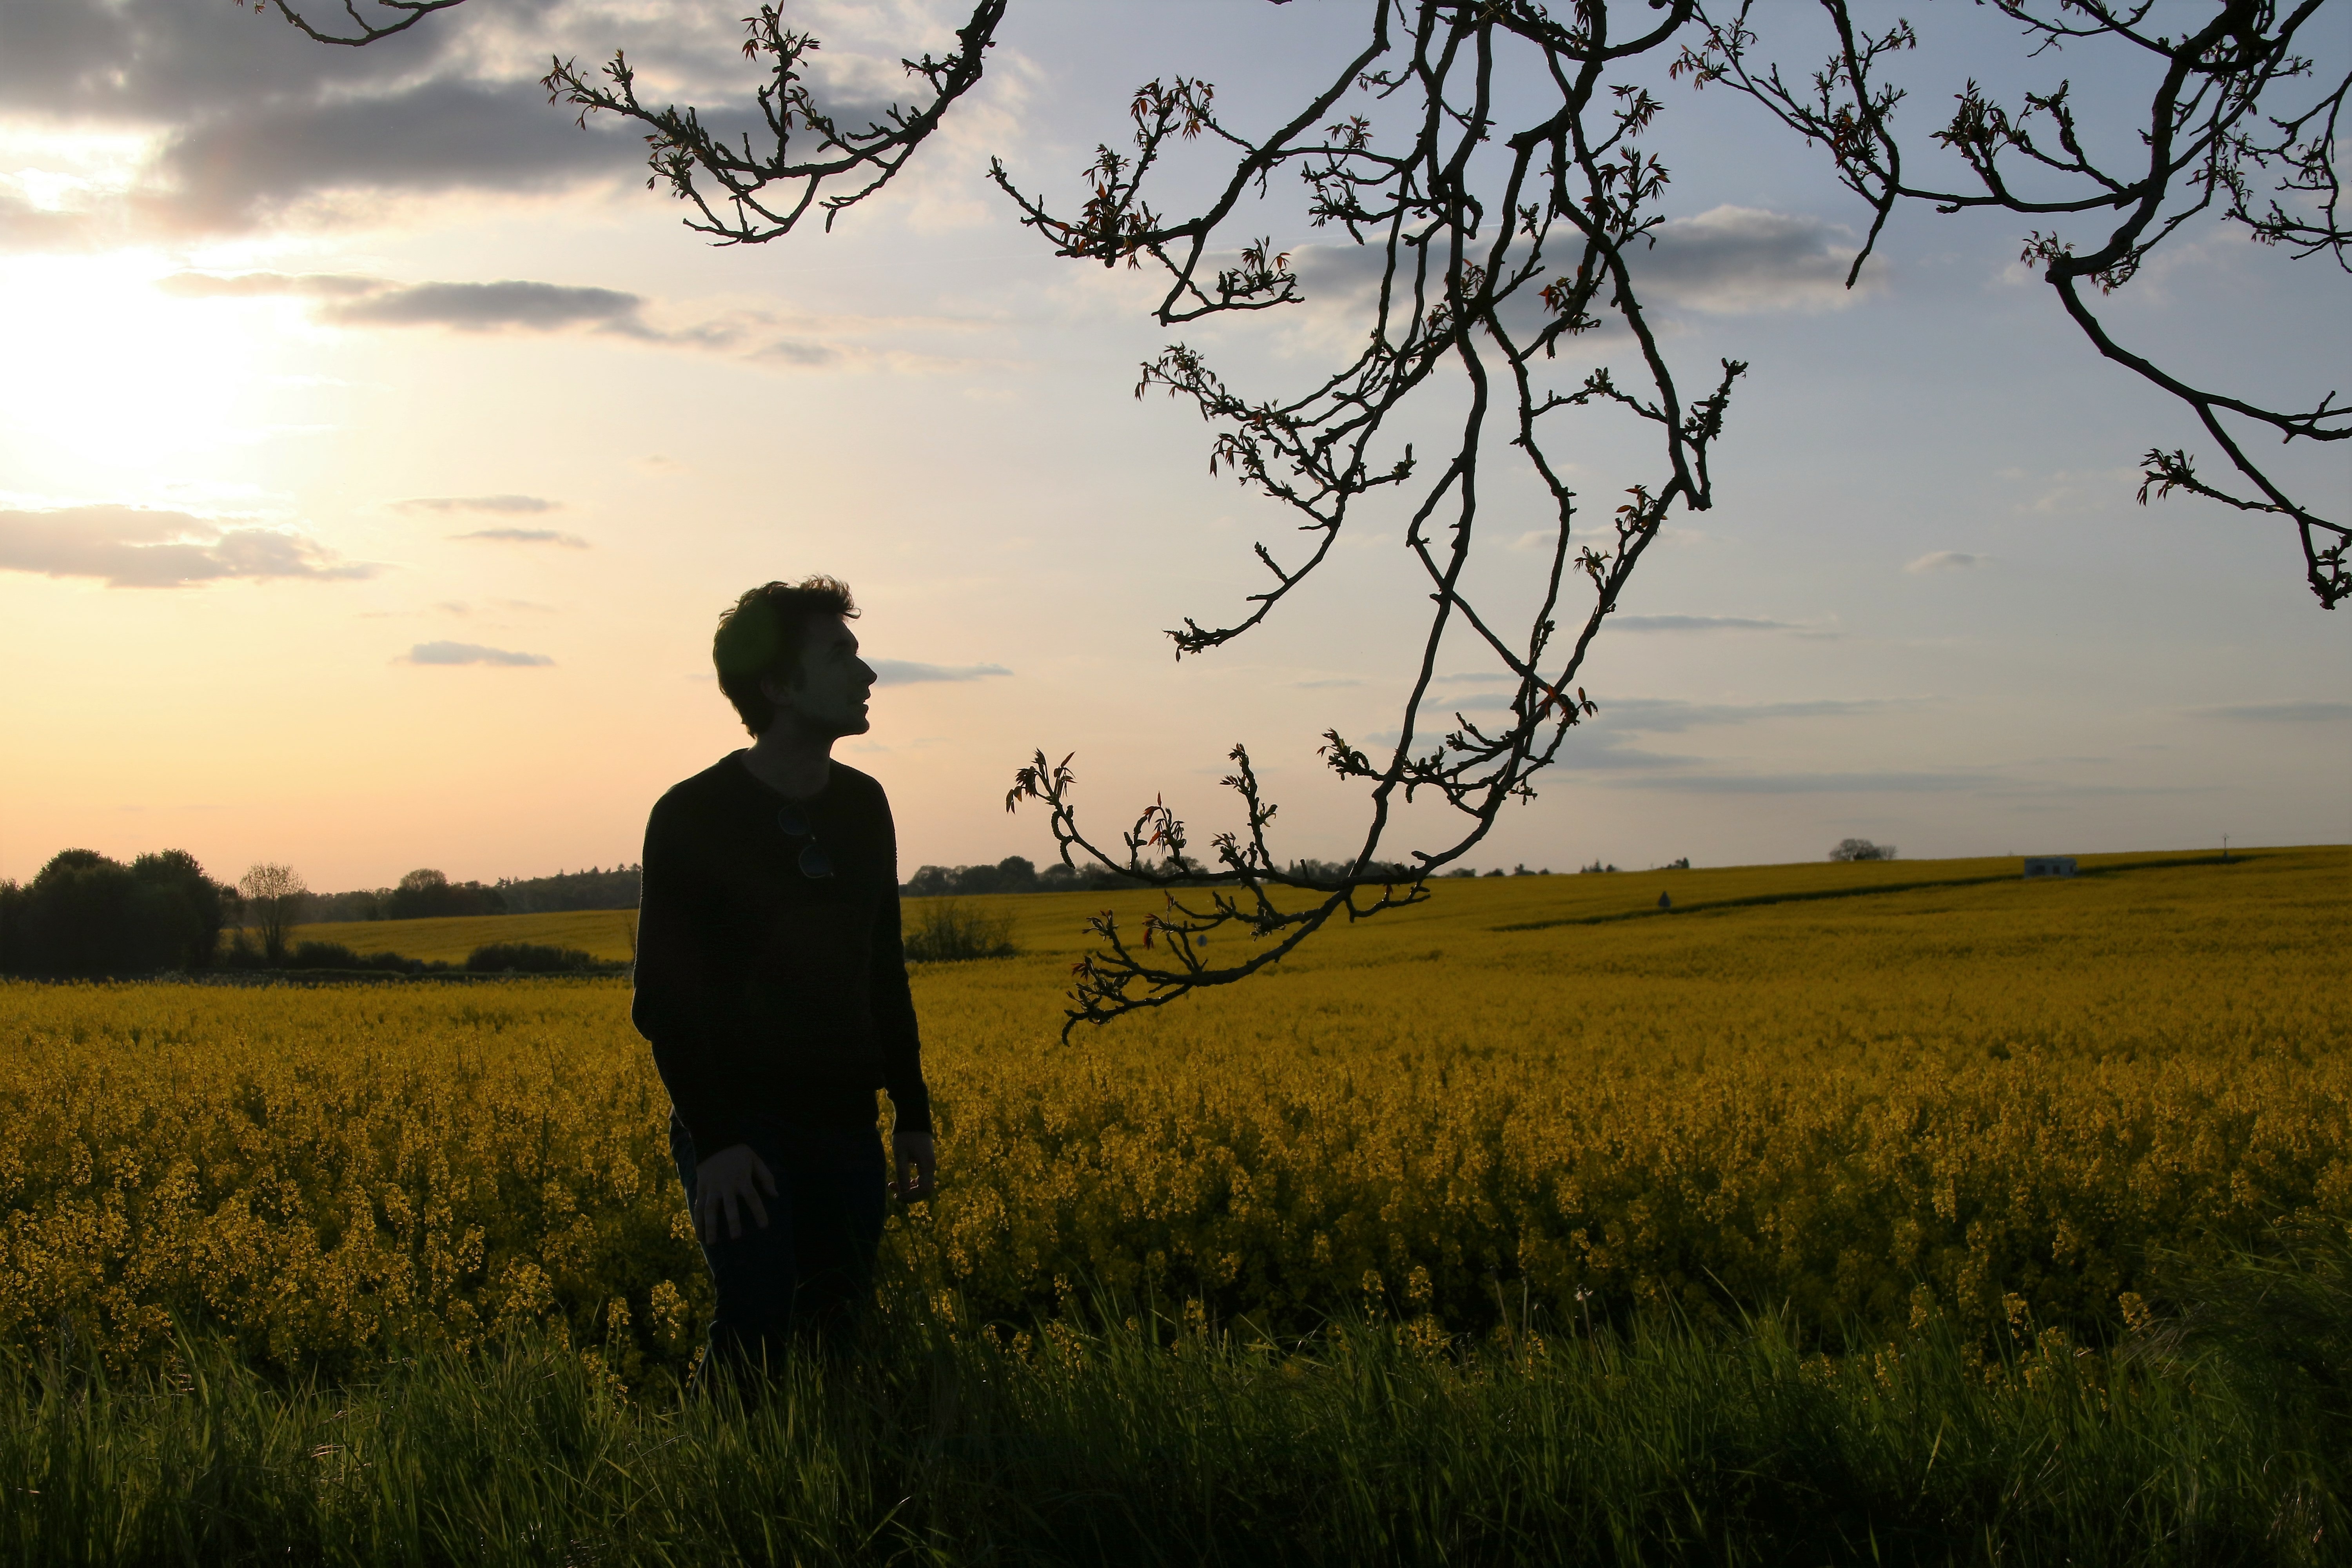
(778, 691)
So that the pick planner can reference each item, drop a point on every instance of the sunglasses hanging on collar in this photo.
(815, 863)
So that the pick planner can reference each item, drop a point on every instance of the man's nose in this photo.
(866, 676)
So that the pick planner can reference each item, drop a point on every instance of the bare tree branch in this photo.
(2211, 128)
(1483, 274)
(742, 210)
(1486, 266)
(398, 17)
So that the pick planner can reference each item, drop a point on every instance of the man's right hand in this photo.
(728, 1182)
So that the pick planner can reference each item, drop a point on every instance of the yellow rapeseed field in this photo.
(1937, 1090)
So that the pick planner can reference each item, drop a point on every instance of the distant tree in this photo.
(1062, 877)
(430, 895)
(930, 882)
(338, 909)
(591, 889)
(1014, 874)
(1011, 875)
(274, 898)
(422, 894)
(89, 915)
(1861, 850)
(1312, 873)
(12, 960)
(177, 911)
(77, 914)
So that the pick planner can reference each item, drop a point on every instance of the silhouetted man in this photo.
(772, 983)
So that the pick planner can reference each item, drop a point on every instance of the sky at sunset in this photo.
(376, 453)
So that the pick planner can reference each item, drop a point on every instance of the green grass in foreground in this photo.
(1658, 1446)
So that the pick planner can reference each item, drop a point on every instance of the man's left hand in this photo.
(913, 1151)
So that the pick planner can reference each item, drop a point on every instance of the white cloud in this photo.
(501, 503)
(470, 653)
(1696, 624)
(2279, 712)
(357, 302)
(526, 536)
(487, 307)
(1946, 561)
(347, 299)
(136, 547)
(906, 672)
(1735, 260)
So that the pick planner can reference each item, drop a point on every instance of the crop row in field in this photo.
(1962, 1100)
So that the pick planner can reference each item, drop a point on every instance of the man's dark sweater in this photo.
(764, 991)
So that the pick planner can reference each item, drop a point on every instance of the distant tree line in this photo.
(427, 894)
(1011, 875)
(589, 890)
(87, 916)
(421, 895)
(1015, 875)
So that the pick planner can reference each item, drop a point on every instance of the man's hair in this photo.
(760, 635)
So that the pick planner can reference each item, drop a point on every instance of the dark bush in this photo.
(1861, 850)
(335, 955)
(331, 956)
(239, 952)
(948, 931)
(531, 958)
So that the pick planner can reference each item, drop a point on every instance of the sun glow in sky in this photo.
(376, 452)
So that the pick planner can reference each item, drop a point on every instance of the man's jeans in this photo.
(812, 1266)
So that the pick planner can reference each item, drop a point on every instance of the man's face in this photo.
(828, 696)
